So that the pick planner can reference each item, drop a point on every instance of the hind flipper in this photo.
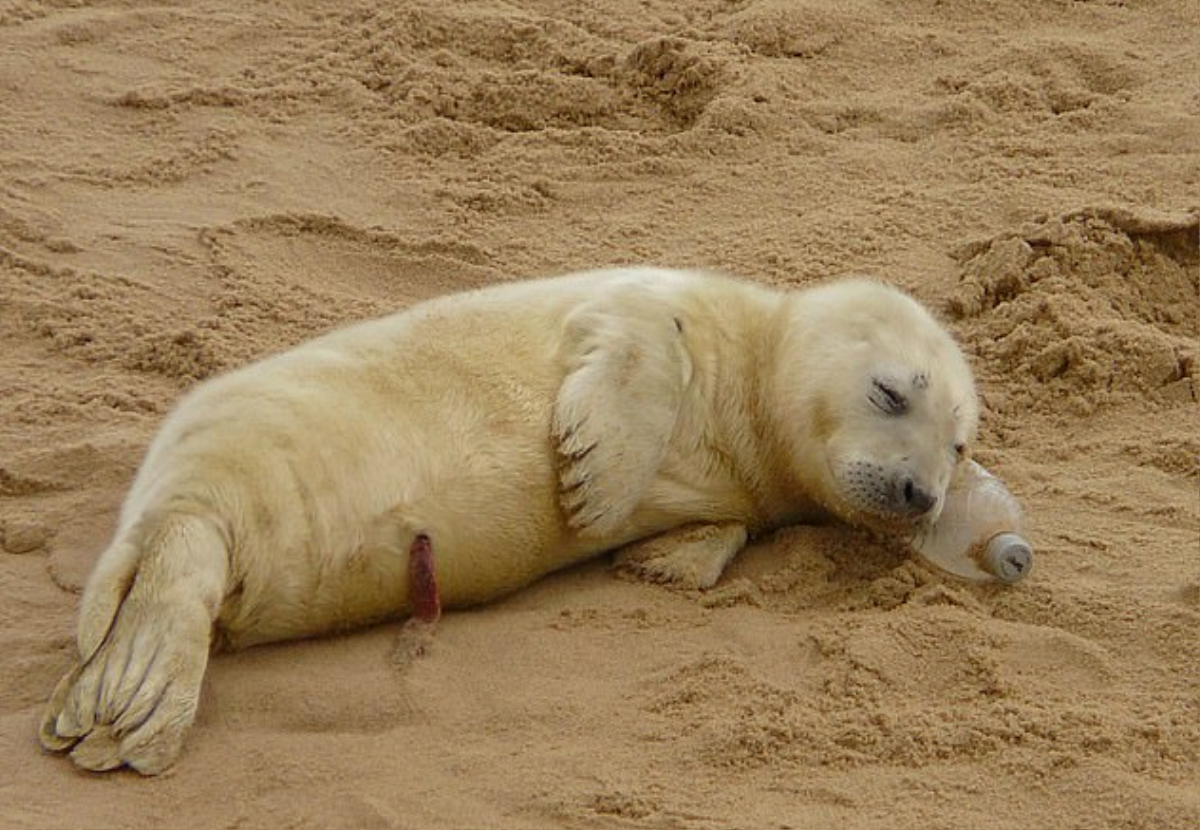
(107, 588)
(135, 690)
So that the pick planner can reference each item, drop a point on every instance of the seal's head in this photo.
(887, 401)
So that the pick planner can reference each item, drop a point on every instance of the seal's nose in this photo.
(911, 498)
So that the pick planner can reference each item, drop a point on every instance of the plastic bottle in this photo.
(978, 535)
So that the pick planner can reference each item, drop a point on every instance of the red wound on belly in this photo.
(422, 582)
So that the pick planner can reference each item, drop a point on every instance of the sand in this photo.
(184, 187)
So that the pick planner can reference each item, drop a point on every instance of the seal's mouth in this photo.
(899, 526)
(910, 527)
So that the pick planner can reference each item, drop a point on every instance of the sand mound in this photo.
(1088, 309)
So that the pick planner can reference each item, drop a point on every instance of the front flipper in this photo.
(692, 557)
(626, 371)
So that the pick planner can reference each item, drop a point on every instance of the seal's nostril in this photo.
(914, 500)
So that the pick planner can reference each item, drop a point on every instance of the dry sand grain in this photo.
(186, 186)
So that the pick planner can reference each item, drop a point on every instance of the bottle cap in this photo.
(1008, 557)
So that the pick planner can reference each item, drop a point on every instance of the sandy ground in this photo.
(184, 187)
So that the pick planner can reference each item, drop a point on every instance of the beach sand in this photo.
(187, 186)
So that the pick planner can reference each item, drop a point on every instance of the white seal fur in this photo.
(522, 428)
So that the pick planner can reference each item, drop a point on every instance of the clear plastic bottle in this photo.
(979, 534)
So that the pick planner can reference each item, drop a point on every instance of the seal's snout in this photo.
(910, 497)
(887, 493)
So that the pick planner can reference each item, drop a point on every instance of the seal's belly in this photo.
(482, 549)
(325, 526)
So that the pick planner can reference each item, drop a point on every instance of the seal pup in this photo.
(459, 450)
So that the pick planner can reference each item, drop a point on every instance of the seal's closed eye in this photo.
(887, 399)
